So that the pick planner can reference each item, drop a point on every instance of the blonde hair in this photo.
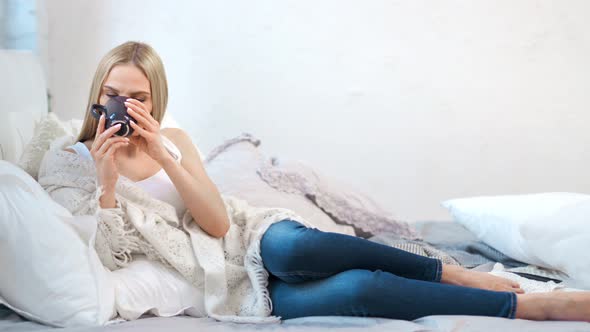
(144, 57)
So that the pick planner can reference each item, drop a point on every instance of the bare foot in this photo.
(456, 275)
(554, 306)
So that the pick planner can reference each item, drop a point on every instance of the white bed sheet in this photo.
(13, 323)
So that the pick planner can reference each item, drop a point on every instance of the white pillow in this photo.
(16, 130)
(551, 230)
(146, 286)
(233, 167)
(50, 270)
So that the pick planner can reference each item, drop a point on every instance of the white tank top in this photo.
(158, 185)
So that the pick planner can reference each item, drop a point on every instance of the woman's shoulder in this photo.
(87, 143)
(177, 136)
(172, 138)
(183, 142)
(173, 134)
(59, 160)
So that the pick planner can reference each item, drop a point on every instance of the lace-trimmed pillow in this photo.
(46, 130)
(234, 165)
(345, 205)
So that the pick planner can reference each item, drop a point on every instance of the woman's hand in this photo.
(149, 139)
(103, 152)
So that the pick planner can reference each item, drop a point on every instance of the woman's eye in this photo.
(111, 95)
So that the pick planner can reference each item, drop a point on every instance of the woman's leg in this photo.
(296, 253)
(288, 247)
(383, 294)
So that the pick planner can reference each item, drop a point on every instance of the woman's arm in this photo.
(198, 192)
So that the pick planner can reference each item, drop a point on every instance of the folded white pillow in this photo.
(551, 230)
(50, 271)
(146, 286)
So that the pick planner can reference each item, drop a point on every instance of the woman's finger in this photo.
(109, 132)
(105, 146)
(139, 130)
(100, 139)
(100, 127)
(140, 108)
(104, 136)
(113, 148)
(151, 124)
(135, 102)
(141, 119)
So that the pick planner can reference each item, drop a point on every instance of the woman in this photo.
(140, 187)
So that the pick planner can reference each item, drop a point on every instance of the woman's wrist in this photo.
(107, 199)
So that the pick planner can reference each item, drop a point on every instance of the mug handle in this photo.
(96, 110)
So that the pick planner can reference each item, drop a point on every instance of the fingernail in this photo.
(118, 125)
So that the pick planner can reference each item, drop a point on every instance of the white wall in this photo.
(412, 102)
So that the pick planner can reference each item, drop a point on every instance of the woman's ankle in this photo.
(532, 306)
(451, 274)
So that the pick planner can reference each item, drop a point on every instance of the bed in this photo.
(23, 81)
(10, 321)
(434, 232)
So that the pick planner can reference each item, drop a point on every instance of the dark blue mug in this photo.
(115, 112)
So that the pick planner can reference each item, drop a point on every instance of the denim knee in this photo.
(359, 290)
(279, 236)
(348, 293)
(279, 247)
(360, 284)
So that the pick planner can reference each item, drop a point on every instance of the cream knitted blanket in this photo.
(230, 269)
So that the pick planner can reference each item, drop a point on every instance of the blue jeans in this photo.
(315, 273)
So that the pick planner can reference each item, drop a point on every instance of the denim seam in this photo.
(300, 273)
(438, 271)
(512, 313)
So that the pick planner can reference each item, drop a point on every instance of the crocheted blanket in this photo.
(230, 269)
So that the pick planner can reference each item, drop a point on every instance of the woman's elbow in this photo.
(222, 230)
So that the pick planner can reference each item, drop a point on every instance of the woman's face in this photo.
(127, 80)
